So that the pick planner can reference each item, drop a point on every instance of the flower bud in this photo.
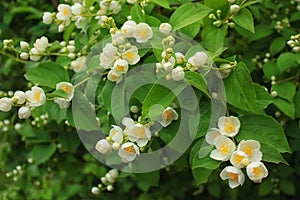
(5, 104)
(24, 113)
(24, 55)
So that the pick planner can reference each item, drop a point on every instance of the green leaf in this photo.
(58, 93)
(287, 187)
(244, 19)
(67, 144)
(162, 3)
(239, 88)
(285, 90)
(106, 94)
(265, 187)
(147, 180)
(297, 104)
(152, 21)
(287, 60)
(265, 129)
(222, 5)
(270, 69)
(47, 74)
(286, 107)
(42, 152)
(270, 154)
(26, 130)
(205, 116)
(213, 37)
(83, 114)
(89, 3)
(54, 112)
(277, 45)
(262, 96)
(188, 14)
(196, 80)
(137, 14)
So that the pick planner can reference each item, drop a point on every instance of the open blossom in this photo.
(24, 112)
(252, 149)
(131, 55)
(198, 59)
(115, 7)
(128, 152)
(103, 146)
(41, 44)
(143, 33)
(116, 134)
(224, 148)
(256, 171)
(178, 74)
(165, 28)
(47, 18)
(120, 66)
(64, 12)
(136, 132)
(67, 87)
(79, 64)
(5, 104)
(63, 103)
(167, 116)
(229, 126)
(108, 55)
(212, 135)
(239, 159)
(114, 76)
(234, 175)
(129, 28)
(36, 96)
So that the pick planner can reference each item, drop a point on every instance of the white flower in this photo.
(114, 173)
(138, 133)
(108, 55)
(118, 38)
(76, 9)
(224, 148)
(95, 190)
(110, 50)
(116, 134)
(61, 28)
(229, 126)
(168, 67)
(234, 175)
(63, 103)
(131, 1)
(79, 64)
(143, 33)
(36, 96)
(212, 135)
(256, 171)
(24, 113)
(67, 87)
(199, 59)
(64, 12)
(225, 73)
(105, 61)
(115, 7)
(34, 54)
(171, 60)
(167, 116)
(121, 66)
(128, 152)
(103, 146)
(128, 28)
(24, 45)
(252, 149)
(165, 28)
(178, 74)
(5, 104)
(20, 97)
(179, 57)
(41, 44)
(47, 18)
(24, 55)
(239, 159)
(114, 76)
(234, 8)
(131, 55)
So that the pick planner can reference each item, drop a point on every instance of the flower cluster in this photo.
(246, 155)
(29, 100)
(120, 53)
(107, 182)
(134, 137)
(294, 43)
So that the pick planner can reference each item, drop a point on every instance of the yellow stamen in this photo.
(229, 127)
(256, 171)
(129, 55)
(66, 12)
(224, 148)
(37, 96)
(144, 32)
(129, 149)
(120, 68)
(238, 158)
(167, 115)
(66, 89)
(248, 150)
(233, 176)
(140, 132)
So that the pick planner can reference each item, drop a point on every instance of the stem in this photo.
(11, 56)
(81, 82)
(288, 79)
